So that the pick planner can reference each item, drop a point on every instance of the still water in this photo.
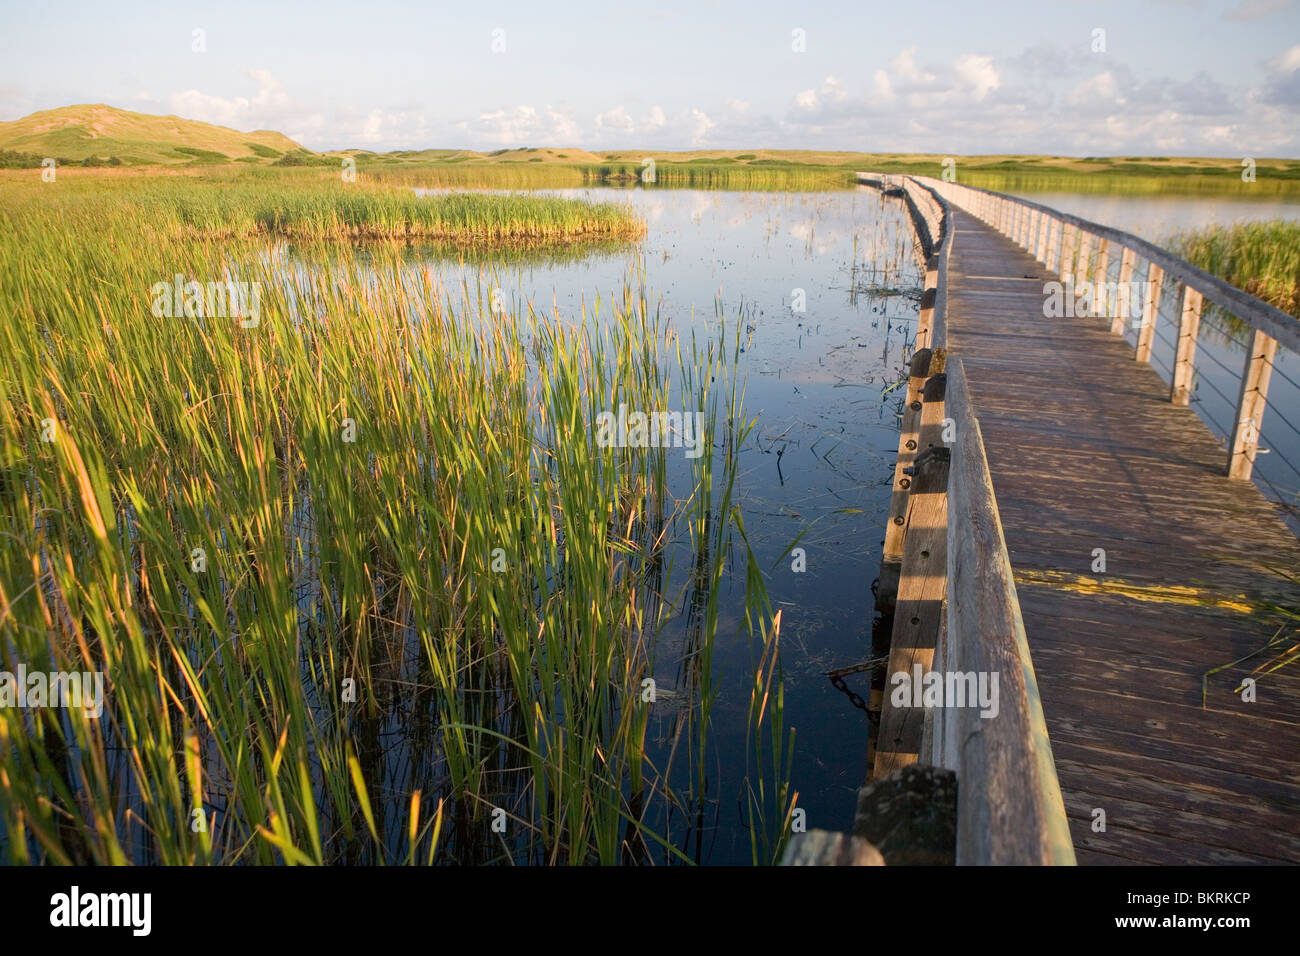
(1157, 218)
(825, 288)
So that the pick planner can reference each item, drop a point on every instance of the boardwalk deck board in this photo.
(1086, 451)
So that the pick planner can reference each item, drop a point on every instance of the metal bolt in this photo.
(916, 406)
(905, 483)
(911, 444)
(899, 521)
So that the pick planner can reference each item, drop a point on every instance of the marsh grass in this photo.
(252, 206)
(395, 641)
(1262, 258)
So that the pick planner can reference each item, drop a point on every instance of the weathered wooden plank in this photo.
(1141, 844)
(909, 436)
(1260, 797)
(921, 588)
(1009, 801)
(1145, 805)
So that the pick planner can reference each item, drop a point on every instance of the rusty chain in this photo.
(837, 679)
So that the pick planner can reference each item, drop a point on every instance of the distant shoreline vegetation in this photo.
(773, 170)
(242, 208)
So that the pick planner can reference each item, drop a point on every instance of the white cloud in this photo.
(515, 126)
(1286, 62)
(1040, 99)
(564, 128)
(700, 124)
(1100, 91)
(616, 120)
(904, 67)
(1043, 101)
(978, 74)
(270, 103)
(883, 88)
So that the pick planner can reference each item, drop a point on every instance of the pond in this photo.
(826, 288)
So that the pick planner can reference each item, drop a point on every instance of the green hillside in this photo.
(105, 135)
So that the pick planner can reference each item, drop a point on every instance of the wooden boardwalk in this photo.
(1086, 451)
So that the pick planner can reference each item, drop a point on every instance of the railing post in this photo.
(1189, 325)
(1250, 405)
(1053, 244)
(1123, 298)
(1150, 311)
(1067, 253)
(1100, 276)
(1044, 230)
(1085, 256)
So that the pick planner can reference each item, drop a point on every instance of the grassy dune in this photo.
(75, 133)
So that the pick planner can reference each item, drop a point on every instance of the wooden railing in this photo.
(947, 580)
(1081, 252)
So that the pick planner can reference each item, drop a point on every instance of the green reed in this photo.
(253, 206)
(1262, 258)
(362, 581)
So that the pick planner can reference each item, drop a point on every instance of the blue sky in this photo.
(1191, 77)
